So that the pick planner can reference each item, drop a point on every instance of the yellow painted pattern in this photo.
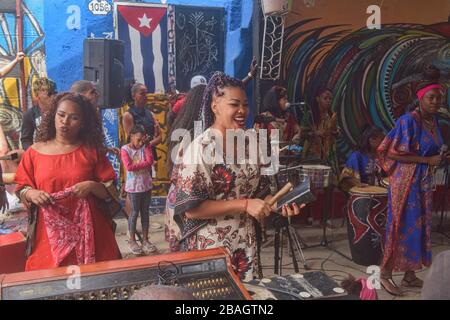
(159, 106)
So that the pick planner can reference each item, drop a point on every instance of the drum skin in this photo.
(366, 214)
(318, 175)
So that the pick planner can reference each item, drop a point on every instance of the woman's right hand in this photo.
(435, 160)
(39, 197)
(258, 208)
(19, 56)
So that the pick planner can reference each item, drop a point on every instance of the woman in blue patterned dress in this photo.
(408, 154)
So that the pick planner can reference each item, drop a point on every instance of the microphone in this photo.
(294, 104)
(443, 150)
(293, 147)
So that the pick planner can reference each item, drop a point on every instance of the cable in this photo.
(325, 261)
(278, 290)
(167, 276)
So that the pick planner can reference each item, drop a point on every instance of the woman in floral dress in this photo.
(216, 199)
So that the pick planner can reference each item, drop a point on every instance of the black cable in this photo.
(278, 290)
(168, 276)
(325, 261)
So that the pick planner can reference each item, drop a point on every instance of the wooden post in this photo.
(23, 85)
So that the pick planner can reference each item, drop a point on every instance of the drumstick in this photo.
(276, 197)
(280, 193)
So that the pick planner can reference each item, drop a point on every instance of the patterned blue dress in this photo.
(408, 227)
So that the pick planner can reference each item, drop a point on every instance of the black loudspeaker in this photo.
(103, 65)
(8, 6)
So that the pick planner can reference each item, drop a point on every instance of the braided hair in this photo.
(215, 87)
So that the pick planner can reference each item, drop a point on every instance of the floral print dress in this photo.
(200, 176)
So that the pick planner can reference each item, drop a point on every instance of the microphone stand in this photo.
(446, 186)
(328, 196)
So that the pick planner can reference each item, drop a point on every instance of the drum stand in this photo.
(328, 195)
(446, 185)
(282, 227)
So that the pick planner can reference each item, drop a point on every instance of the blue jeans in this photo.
(140, 202)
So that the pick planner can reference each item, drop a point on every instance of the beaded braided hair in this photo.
(215, 87)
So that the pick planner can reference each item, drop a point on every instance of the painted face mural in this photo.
(33, 46)
(373, 73)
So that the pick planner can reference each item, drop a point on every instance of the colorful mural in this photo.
(372, 72)
(35, 66)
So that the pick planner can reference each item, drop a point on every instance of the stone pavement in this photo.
(318, 258)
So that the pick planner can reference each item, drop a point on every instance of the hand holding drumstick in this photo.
(259, 209)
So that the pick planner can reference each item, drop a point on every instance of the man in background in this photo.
(44, 89)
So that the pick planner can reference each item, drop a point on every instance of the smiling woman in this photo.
(61, 178)
(216, 201)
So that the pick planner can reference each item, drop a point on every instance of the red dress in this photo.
(54, 173)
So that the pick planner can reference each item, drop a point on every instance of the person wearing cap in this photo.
(44, 89)
(201, 80)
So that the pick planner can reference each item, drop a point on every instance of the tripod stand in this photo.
(443, 203)
(328, 195)
(283, 227)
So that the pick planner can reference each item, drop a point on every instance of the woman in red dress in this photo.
(62, 177)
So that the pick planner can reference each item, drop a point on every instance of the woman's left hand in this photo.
(83, 189)
(291, 210)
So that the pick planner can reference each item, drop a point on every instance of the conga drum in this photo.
(319, 175)
(366, 213)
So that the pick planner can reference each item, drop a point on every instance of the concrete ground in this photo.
(318, 257)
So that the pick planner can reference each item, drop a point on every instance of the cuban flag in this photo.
(143, 28)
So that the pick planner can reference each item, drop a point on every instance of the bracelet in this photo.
(250, 75)
(23, 193)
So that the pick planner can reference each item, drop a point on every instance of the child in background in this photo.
(138, 160)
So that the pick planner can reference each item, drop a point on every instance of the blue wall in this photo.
(64, 47)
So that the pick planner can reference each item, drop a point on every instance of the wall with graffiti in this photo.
(372, 57)
(34, 65)
(53, 42)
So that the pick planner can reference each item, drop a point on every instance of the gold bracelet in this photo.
(23, 193)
